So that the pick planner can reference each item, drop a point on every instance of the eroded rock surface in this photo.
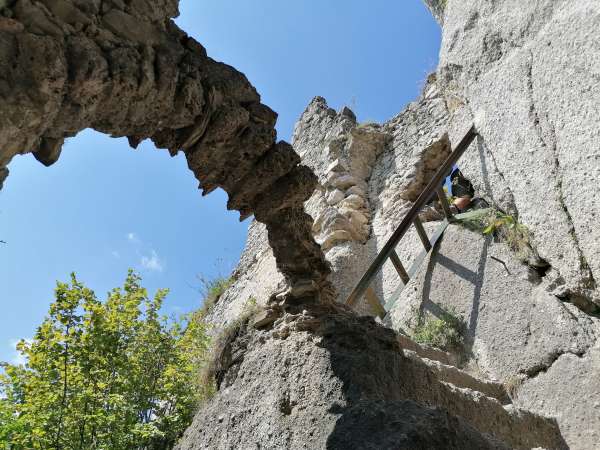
(340, 382)
(543, 349)
(368, 174)
(527, 74)
(126, 69)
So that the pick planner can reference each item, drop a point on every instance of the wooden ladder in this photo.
(388, 252)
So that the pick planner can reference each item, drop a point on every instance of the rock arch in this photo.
(124, 68)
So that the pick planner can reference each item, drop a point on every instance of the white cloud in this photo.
(133, 238)
(152, 262)
(116, 254)
(17, 358)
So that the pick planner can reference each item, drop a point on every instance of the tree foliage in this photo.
(110, 375)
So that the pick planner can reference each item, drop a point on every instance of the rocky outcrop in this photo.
(342, 153)
(544, 349)
(298, 367)
(437, 8)
(368, 174)
(315, 375)
(126, 69)
(526, 72)
(525, 75)
(341, 382)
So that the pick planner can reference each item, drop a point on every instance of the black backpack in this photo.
(461, 187)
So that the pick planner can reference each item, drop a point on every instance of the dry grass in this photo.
(212, 291)
(513, 384)
(505, 228)
(220, 358)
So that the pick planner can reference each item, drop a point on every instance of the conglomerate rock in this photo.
(124, 68)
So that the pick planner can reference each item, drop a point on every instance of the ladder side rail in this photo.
(408, 220)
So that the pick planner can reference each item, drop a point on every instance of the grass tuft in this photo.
(220, 357)
(445, 332)
(212, 291)
(505, 228)
(513, 384)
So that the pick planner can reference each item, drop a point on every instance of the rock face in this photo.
(545, 349)
(527, 73)
(340, 382)
(315, 375)
(437, 8)
(296, 365)
(367, 176)
(125, 68)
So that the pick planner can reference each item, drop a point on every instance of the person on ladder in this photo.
(463, 200)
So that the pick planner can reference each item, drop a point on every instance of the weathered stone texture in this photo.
(418, 147)
(126, 69)
(527, 72)
(517, 332)
(336, 381)
(342, 154)
(437, 8)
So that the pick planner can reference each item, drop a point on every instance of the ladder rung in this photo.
(422, 233)
(399, 267)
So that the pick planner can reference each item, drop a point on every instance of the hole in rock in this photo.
(101, 209)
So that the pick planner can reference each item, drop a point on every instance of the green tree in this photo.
(112, 375)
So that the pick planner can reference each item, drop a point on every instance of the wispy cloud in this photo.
(133, 238)
(116, 254)
(17, 358)
(149, 259)
(152, 262)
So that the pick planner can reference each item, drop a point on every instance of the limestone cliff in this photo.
(526, 75)
(310, 373)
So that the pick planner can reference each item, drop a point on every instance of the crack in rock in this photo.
(551, 144)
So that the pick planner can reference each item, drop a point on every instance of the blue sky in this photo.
(104, 207)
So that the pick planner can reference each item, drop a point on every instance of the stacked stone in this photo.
(125, 69)
(347, 216)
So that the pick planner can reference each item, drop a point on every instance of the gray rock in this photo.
(437, 8)
(127, 70)
(526, 73)
(336, 381)
(568, 390)
(516, 331)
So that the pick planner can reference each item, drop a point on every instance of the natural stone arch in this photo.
(125, 69)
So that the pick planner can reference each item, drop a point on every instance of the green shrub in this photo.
(505, 228)
(105, 374)
(445, 332)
